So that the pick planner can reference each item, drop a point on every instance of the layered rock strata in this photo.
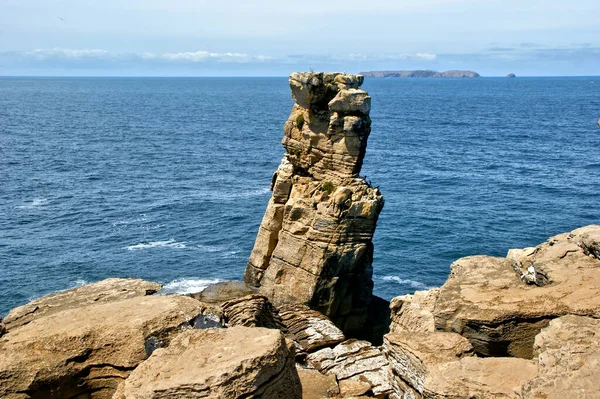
(89, 350)
(109, 290)
(314, 244)
(230, 363)
(357, 365)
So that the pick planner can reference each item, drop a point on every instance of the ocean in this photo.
(167, 179)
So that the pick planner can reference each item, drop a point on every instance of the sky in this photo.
(276, 37)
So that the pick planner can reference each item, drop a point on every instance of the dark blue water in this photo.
(167, 179)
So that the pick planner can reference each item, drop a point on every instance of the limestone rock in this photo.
(354, 360)
(487, 300)
(411, 355)
(314, 244)
(309, 329)
(481, 378)
(2, 328)
(218, 363)
(88, 350)
(441, 365)
(109, 290)
(316, 385)
(218, 293)
(568, 361)
(251, 311)
(414, 312)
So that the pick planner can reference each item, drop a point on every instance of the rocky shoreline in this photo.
(305, 324)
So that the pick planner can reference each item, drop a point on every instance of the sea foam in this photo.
(187, 285)
(412, 283)
(171, 243)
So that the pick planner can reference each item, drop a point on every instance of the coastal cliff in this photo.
(524, 326)
(423, 73)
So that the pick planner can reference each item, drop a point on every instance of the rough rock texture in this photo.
(2, 328)
(410, 355)
(314, 243)
(251, 311)
(569, 360)
(354, 360)
(109, 290)
(316, 385)
(413, 312)
(309, 329)
(441, 365)
(88, 350)
(501, 304)
(218, 293)
(230, 363)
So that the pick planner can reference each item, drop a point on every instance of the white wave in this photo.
(155, 244)
(79, 282)
(211, 248)
(414, 284)
(187, 285)
(141, 218)
(35, 203)
(224, 196)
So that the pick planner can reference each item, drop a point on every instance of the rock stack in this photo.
(314, 243)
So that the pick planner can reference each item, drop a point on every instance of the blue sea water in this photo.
(167, 179)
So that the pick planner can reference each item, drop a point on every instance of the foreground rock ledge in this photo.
(314, 244)
(109, 290)
(90, 349)
(236, 362)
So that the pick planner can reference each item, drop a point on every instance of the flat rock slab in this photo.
(109, 290)
(568, 361)
(309, 329)
(354, 360)
(237, 362)
(473, 377)
(486, 300)
(90, 349)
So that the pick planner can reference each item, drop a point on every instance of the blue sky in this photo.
(274, 37)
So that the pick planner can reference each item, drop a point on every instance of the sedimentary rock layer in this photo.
(314, 243)
(236, 362)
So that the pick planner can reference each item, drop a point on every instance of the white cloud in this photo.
(43, 54)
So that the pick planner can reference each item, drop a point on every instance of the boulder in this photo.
(316, 385)
(314, 245)
(88, 350)
(413, 312)
(237, 362)
(411, 355)
(501, 304)
(309, 329)
(354, 360)
(251, 311)
(441, 365)
(568, 360)
(109, 290)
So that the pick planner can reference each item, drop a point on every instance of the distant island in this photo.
(511, 75)
(424, 73)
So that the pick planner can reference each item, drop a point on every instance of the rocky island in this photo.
(305, 324)
(423, 73)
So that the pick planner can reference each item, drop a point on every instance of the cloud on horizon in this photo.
(494, 60)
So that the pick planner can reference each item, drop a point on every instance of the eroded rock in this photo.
(230, 363)
(487, 302)
(314, 243)
(355, 360)
(109, 290)
(568, 361)
(88, 350)
(441, 365)
(316, 385)
(251, 311)
(309, 329)
(413, 312)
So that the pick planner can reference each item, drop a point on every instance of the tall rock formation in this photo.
(314, 243)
